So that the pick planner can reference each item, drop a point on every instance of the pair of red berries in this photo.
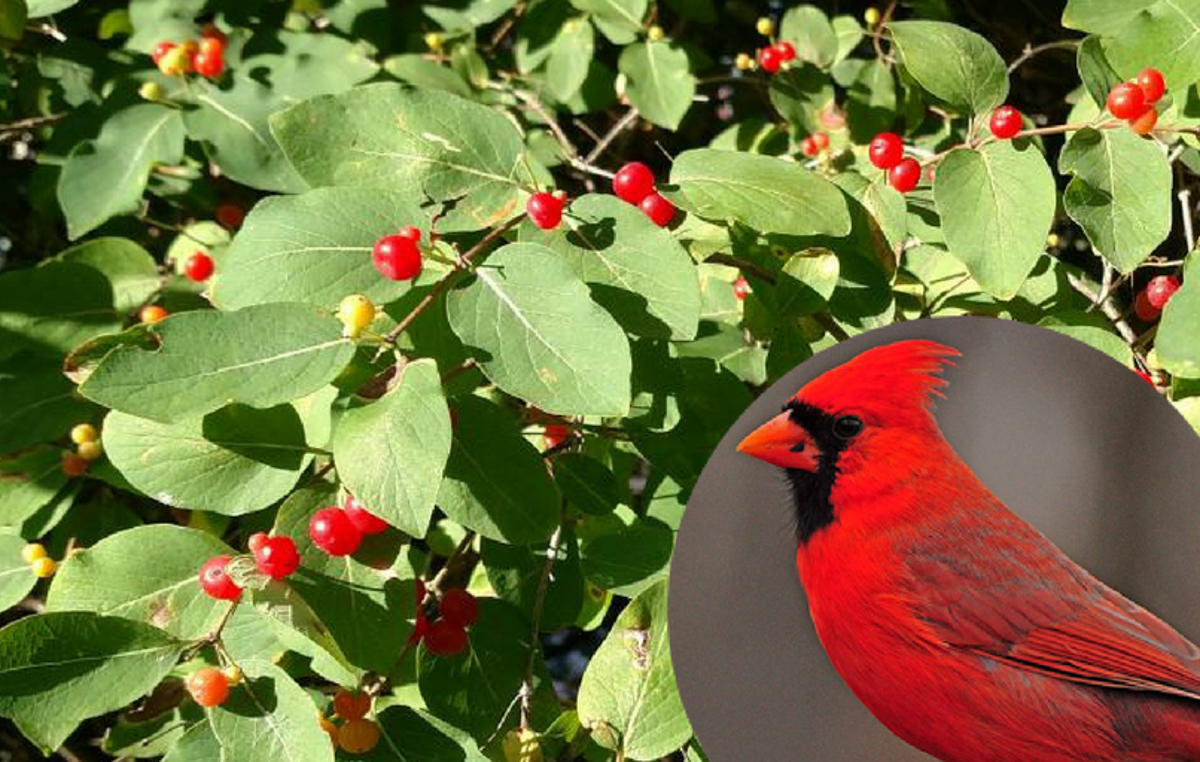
(398, 256)
(773, 57)
(447, 634)
(339, 530)
(1134, 101)
(886, 151)
(634, 183)
(205, 57)
(546, 209)
(1149, 304)
(199, 267)
(275, 556)
(814, 144)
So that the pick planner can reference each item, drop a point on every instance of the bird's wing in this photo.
(1044, 613)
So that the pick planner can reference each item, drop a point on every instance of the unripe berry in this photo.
(444, 638)
(356, 312)
(233, 674)
(434, 40)
(886, 150)
(744, 62)
(175, 62)
(397, 257)
(1006, 122)
(1160, 289)
(871, 16)
(351, 705)
(1152, 84)
(151, 314)
(633, 182)
(216, 582)
(160, 50)
(44, 567)
(83, 432)
(256, 541)
(34, 551)
(765, 26)
(277, 557)
(198, 267)
(1126, 101)
(208, 686)
(90, 450)
(658, 209)
(364, 520)
(333, 532)
(544, 210)
(904, 176)
(522, 746)
(655, 33)
(358, 736)
(151, 91)
(459, 607)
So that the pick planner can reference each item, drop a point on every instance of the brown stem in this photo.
(536, 616)
(1031, 51)
(602, 145)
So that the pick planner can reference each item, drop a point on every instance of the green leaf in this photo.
(809, 30)
(157, 20)
(1092, 329)
(1176, 343)
(130, 270)
(570, 55)
(250, 458)
(1120, 193)
(16, 579)
(41, 8)
(27, 483)
(315, 248)
(391, 453)
(765, 193)
(106, 177)
(871, 102)
(269, 718)
(233, 123)
(1095, 71)
(59, 669)
(37, 402)
(515, 573)
(800, 94)
(197, 744)
(495, 481)
(996, 205)
(638, 271)
(661, 85)
(148, 574)
(54, 307)
(424, 74)
(628, 696)
(586, 483)
(306, 65)
(539, 335)
(1102, 16)
(807, 281)
(467, 14)
(619, 20)
(259, 356)
(424, 144)
(13, 15)
(1165, 35)
(849, 33)
(410, 734)
(952, 63)
(630, 559)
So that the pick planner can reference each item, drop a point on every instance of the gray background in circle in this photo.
(1074, 443)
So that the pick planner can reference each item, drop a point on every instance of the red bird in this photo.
(964, 630)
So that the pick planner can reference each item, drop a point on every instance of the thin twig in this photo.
(459, 369)
(570, 152)
(536, 616)
(1185, 206)
(435, 584)
(1110, 310)
(32, 122)
(622, 124)
(1033, 50)
(744, 265)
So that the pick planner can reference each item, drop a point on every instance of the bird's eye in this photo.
(847, 426)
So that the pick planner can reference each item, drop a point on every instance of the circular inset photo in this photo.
(964, 539)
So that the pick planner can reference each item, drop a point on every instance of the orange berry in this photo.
(151, 314)
(358, 736)
(208, 686)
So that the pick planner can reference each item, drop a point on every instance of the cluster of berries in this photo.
(772, 57)
(1134, 101)
(87, 448)
(356, 734)
(275, 556)
(209, 686)
(42, 565)
(1151, 300)
(339, 529)
(445, 632)
(886, 151)
(814, 144)
(205, 56)
(634, 183)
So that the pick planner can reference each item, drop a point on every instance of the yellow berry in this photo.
(233, 674)
(522, 746)
(34, 551)
(90, 450)
(1052, 240)
(765, 26)
(744, 62)
(83, 432)
(43, 567)
(655, 33)
(871, 16)
(356, 313)
(434, 40)
(151, 91)
(175, 61)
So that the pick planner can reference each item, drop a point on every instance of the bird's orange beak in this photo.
(782, 442)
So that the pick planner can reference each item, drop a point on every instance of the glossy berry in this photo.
(633, 182)
(73, 465)
(1144, 124)
(444, 638)
(459, 607)
(886, 150)
(397, 257)
(34, 551)
(209, 686)
(809, 147)
(770, 59)
(151, 314)
(741, 289)
(1126, 101)
(175, 61)
(1144, 309)
(356, 312)
(786, 50)
(198, 267)
(208, 64)
(90, 450)
(160, 50)
(333, 532)
(151, 91)
(277, 557)
(658, 209)
(545, 210)
(821, 139)
(358, 736)
(554, 435)
(230, 216)
(351, 705)
(233, 674)
(83, 432)
(212, 45)
(411, 232)
(364, 520)
(256, 541)
(904, 176)
(871, 16)
(655, 33)
(743, 62)
(1160, 289)
(1006, 122)
(216, 582)
(765, 26)
(1151, 83)
(44, 567)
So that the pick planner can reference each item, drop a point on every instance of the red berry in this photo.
(73, 465)
(554, 435)
(230, 216)
(1144, 124)
(904, 176)
(809, 146)
(658, 209)
(886, 150)
(277, 558)
(216, 582)
(770, 59)
(786, 50)
(209, 686)
(821, 139)
(351, 705)
(397, 257)
(208, 64)
(1144, 309)
(198, 267)
(633, 182)
(256, 541)
(1151, 83)
(1145, 376)
(420, 626)
(367, 522)
(1006, 122)
(211, 31)
(741, 289)
(445, 638)
(212, 45)
(411, 232)
(1160, 289)
(1126, 101)
(160, 50)
(459, 607)
(545, 210)
(333, 531)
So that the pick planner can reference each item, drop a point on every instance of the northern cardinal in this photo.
(962, 628)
